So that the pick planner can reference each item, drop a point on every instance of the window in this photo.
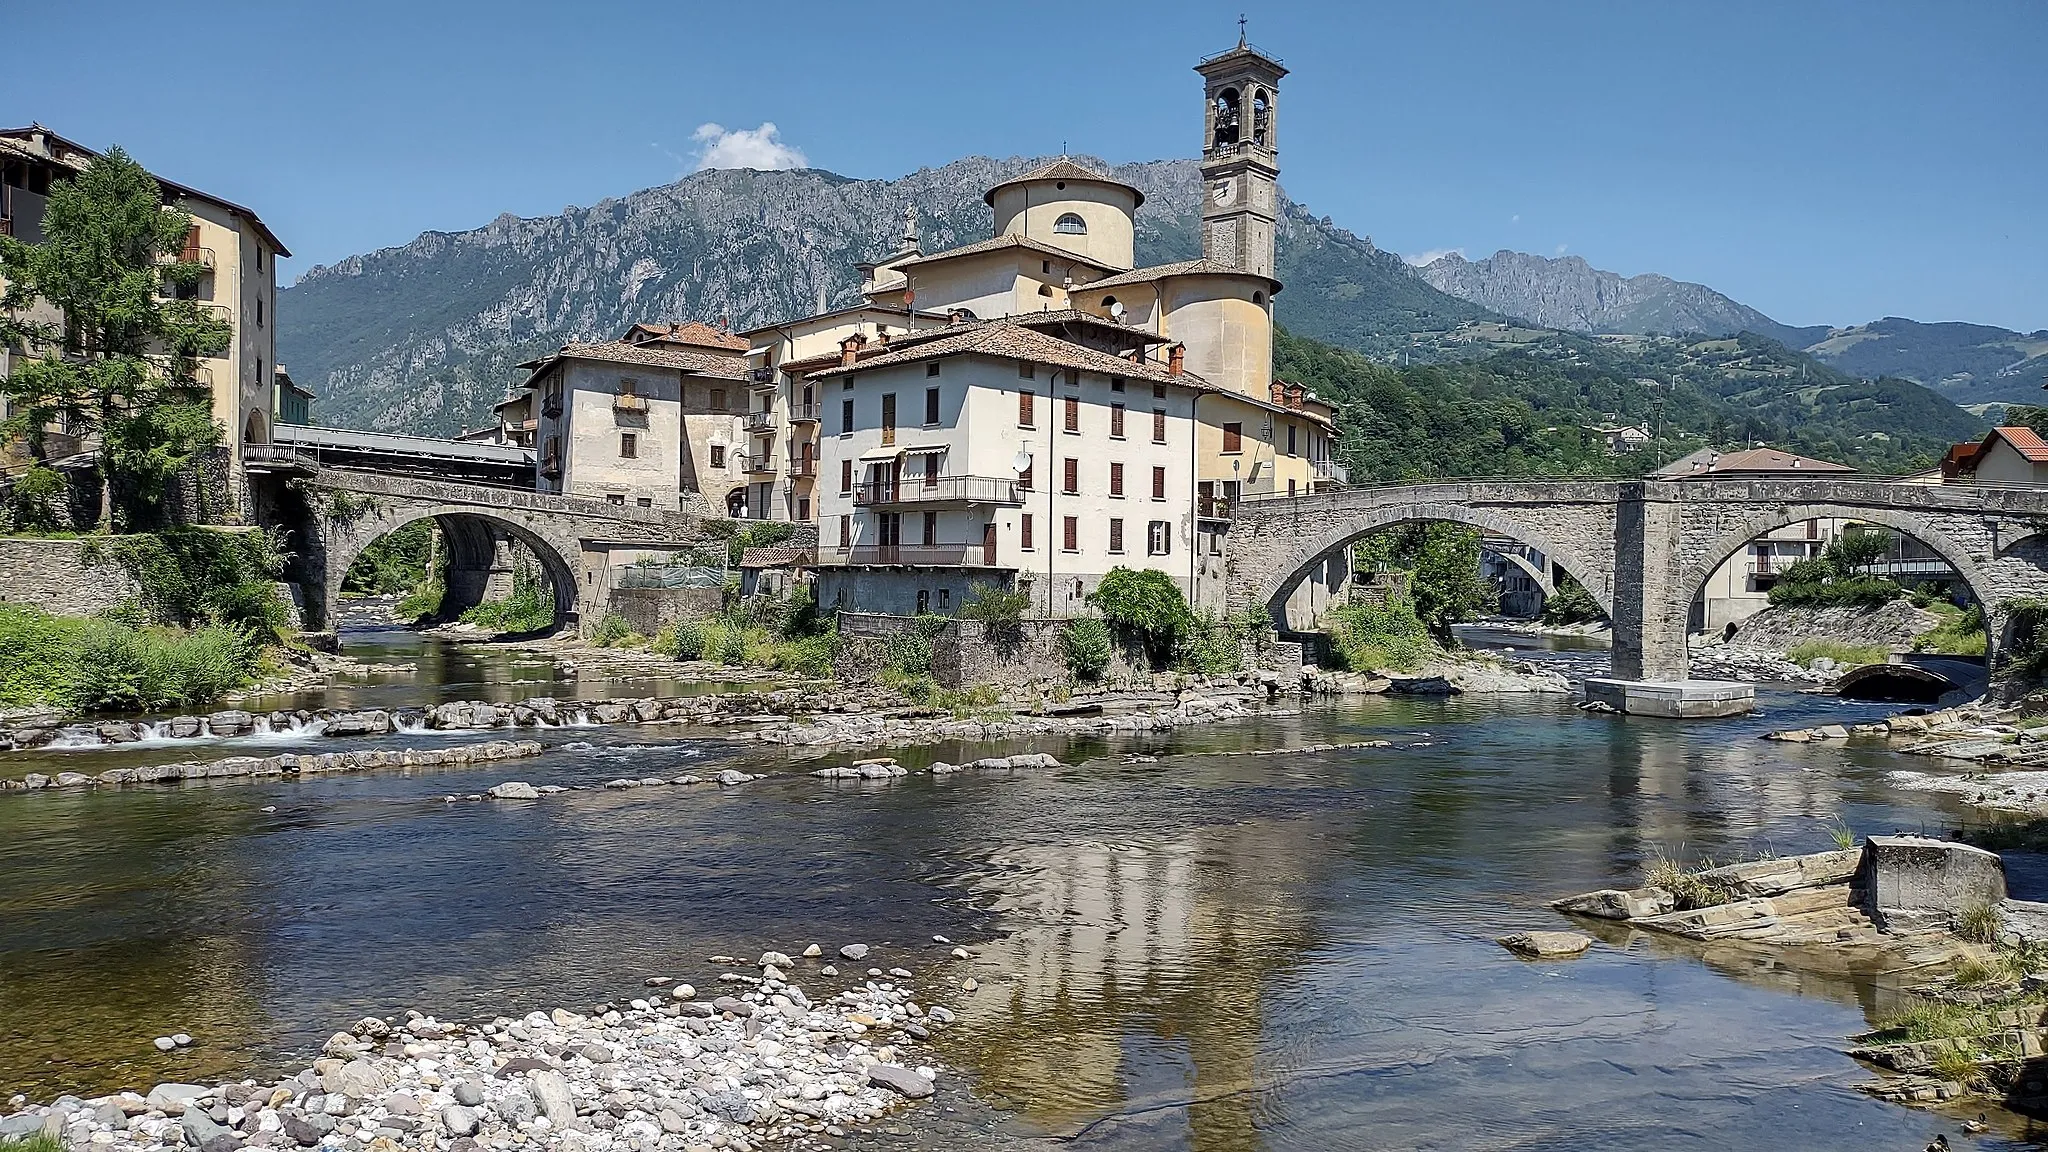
(889, 418)
(1290, 485)
(1070, 533)
(846, 416)
(932, 369)
(1071, 224)
(1233, 437)
(931, 407)
(259, 257)
(924, 601)
(1027, 409)
(1159, 391)
(645, 501)
(1116, 383)
(718, 455)
(1116, 478)
(718, 399)
(1158, 538)
(629, 446)
(846, 477)
(945, 597)
(1072, 478)
(1290, 440)
(1045, 290)
(1024, 369)
(1072, 421)
(1159, 482)
(845, 531)
(1116, 534)
(803, 507)
(1045, 266)
(618, 498)
(931, 528)
(1024, 532)
(1159, 425)
(1116, 421)
(259, 312)
(1024, 477)
(931, 470)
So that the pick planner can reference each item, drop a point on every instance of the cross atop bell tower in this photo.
(1240, 156)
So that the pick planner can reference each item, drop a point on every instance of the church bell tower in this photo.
(1240, 158)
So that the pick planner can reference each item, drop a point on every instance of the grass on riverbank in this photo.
(36, 1143)
(1848, 655)
(1960, 633)
(92, 665)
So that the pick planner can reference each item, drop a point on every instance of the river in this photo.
(1208, 952)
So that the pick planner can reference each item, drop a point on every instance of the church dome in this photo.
(1068, 206)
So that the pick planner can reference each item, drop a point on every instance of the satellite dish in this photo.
(1021, 462)
(1116, 310)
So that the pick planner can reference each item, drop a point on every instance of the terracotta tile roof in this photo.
(1062, 169)
(778, 556)
(723, 365)
(1010, 339)
(1201, 267)
(1961, 459)
(996, 244)
(1708, 462)
(695, 333)
(2024, 440)
(1056, 317)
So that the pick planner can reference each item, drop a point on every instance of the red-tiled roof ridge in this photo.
(2024, 440)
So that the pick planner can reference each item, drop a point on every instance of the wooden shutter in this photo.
(1158, 483)
(1025, 416)
(1233, 437)
(1159, 425)
(1073, 414)
(1073, 476)
(1071, 534)
(1024, 531)
(1116, 479)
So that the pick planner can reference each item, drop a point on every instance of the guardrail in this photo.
(955, 489)
(920, 555)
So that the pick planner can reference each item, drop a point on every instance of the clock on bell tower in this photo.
(1240, 158)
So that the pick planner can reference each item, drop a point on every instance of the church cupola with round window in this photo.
(1071, 207)
(1240, 157)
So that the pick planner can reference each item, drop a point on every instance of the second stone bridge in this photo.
(1644, 549)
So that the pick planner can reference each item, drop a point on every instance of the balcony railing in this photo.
(803, 414)
(760, 376)
(762, 465)
(802, 468)
(760, 421)
(196, 255)
(1329, 471)
(1214, 507)
(922, 555)
(916, 489)
(629, 402)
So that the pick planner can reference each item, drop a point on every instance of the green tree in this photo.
(1854, 551)
(1146, 606)
(121, 361)
(1443, 565)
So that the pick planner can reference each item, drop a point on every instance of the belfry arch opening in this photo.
(443, 567)
(1837, 588)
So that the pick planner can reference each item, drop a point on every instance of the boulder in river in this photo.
(515, 790)
(1546, 945)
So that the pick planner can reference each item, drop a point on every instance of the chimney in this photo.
(1279, 393)
(1175, 357)
(849, 349)
(725, 323)
(1136, 355)
(952, 317)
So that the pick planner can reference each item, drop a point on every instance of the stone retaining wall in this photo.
(649, 610)
(53, 575)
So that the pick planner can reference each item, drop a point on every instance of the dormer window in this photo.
(1071, 224)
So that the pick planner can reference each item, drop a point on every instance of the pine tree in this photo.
(120, 362)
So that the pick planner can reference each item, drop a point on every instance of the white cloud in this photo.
(1563, 248)
(1421, 258)
(760, 148)
(1515, 219)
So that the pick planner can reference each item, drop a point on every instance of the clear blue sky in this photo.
(1827, 162)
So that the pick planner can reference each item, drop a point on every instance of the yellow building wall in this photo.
(1030, 210)
(1227, 326)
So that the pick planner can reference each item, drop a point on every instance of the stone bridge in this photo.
(1644, 549)
(334, 513)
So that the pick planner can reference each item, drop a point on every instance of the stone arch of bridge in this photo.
(1595, 579)
(1528, 567)
(1694, 580)
(470, 536)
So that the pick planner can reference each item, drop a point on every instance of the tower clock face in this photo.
(1224, 192)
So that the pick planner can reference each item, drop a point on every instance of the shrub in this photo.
(530, 608)
(1085, 641)
(1980, 922)
(682, 640)
(113, 663)
(1145, 607)
(910, 650)
(1215, 645)
(35, 1143)
(611, 631)
(732, 647)
(1807, 651)
(200, 575)
(39, 498)
(1380, 635)
(759, 534)
(809, 656)
(1960, 633)
(1840, 592)
(1690, 886)
(422, 603)
(1572, 604)
(394, 562)
(993, 604)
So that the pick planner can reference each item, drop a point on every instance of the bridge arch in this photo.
(1921, 528)
(1295, 568)
(473, 539)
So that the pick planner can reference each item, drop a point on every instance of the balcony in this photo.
(1214, 507)
(945, 490)
(195, 255)
(762, 465)
(761, 421)
(1329, 472)
(915, 555)
(802, 469)
(629, 402)
(804, 414)
(761, 377)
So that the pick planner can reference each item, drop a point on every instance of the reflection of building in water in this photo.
(1167, 946)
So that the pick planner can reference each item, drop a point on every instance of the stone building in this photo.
(238, 250)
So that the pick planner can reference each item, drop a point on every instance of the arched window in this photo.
(1071, 224)
(1259, 298)
(1262, 117)
(255, 431)
(1226, 117)
(1045, 289)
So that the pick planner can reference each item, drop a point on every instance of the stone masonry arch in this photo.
(474, 541)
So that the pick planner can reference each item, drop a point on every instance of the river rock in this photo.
(1421, 686)
(199, 1128)
(854, 952)
(184, 727)
(231, 722)
(551, 1093)
(514, 790)
(460, 1120)
(306, 1130)
(1546, 945)
(171, 1099)
(732, 776)
(1616, 904)
(371, 723)
(902, 1081)
(467, 1093)
(517, 1107)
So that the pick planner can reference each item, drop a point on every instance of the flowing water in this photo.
(1202, 951)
